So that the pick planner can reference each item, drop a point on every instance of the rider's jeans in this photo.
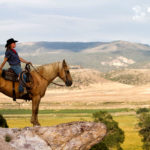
(17, 69)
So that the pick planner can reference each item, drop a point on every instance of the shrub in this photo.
(8, 138)
(3, 122)
(141, 110)
(115, 135)
(144, 124)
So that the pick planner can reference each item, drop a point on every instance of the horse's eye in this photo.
(67, 71)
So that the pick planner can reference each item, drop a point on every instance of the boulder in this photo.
(67, 136)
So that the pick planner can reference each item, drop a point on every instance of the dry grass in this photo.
(130, 76)
(96, 96)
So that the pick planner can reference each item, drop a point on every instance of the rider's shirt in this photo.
(13, 58)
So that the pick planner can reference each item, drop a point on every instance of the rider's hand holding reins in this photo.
(29, 63)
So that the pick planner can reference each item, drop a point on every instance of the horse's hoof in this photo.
(36, 124)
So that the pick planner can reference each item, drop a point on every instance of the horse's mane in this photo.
(49, 67)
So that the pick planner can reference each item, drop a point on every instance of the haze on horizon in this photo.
(75, 20)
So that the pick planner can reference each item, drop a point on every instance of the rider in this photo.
(14, 61)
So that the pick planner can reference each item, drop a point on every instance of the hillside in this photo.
(130, 76)
(102, 56)
(82, 78)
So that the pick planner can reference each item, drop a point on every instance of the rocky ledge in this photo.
(66, 136)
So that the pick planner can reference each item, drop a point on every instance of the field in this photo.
(60, 105)
(21, 118)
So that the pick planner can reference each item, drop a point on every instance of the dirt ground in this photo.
(96, 96)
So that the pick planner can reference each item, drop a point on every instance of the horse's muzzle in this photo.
(68, 83)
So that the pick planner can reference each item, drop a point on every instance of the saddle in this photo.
(9, 74)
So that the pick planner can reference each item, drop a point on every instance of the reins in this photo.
(45, 78)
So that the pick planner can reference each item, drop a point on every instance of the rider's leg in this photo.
(21, 89)
(25, 77)
(17, 69)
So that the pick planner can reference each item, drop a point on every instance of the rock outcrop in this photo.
(67, 136)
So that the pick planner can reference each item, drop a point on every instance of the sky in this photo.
(75, 20)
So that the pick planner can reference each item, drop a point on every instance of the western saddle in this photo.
(9, 74)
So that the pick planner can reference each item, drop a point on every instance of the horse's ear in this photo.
(64, 63)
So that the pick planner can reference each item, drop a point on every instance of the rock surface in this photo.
(67, 136)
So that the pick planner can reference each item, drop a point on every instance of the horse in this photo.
(42, 77)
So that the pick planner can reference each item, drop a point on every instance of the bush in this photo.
(141, 110)
(115, 135)
(3, 122)
(144, 124)
(8, 138)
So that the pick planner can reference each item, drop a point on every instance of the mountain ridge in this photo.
(103, 56)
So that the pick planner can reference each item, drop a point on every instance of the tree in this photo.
(3, 122)
(141, 110)
(115, 135)
(144, 124)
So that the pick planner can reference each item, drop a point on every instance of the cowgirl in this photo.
(14, 60)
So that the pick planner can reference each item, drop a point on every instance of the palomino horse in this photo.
(42, 77)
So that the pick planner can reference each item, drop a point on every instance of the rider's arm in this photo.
(24, 61)
(3, 63)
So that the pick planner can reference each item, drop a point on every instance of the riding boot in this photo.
(24, 92)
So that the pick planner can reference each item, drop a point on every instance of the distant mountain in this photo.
(57, 46)
(117, 46)
(104, 56)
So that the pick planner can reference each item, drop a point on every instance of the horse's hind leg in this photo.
(35, 108)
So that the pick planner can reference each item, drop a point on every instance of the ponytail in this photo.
(8, 47)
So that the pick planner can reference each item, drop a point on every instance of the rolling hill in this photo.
(129, 76)
(82, 78)
(103, 56)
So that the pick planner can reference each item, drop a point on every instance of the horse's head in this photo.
(64, 74)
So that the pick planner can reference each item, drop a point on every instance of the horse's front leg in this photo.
(35, 108)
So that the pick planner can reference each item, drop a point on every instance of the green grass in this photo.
(132, 139)
(44, 120)
(27, 111)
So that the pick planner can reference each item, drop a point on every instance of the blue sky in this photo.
(75, 20)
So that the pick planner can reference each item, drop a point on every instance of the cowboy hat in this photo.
(9, 41)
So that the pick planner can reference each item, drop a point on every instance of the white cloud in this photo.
(141, 13)
(148, 9)
(137, 9)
